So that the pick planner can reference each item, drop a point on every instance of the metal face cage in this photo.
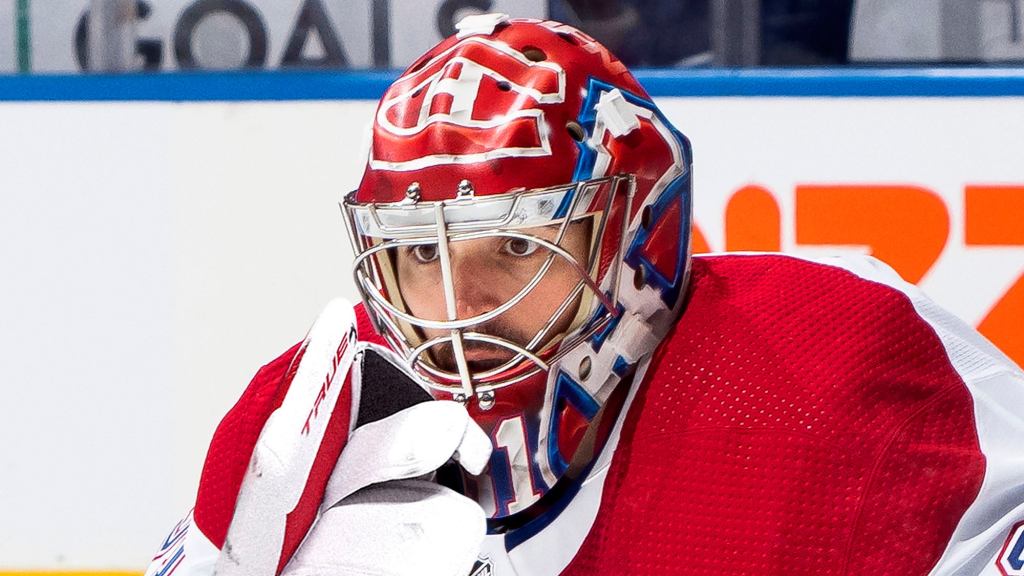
(435, 344)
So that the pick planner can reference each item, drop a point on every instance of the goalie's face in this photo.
(485, 273)
(479, 293)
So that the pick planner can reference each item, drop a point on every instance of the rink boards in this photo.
(162, 237)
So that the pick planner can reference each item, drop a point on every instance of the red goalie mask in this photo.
(532, 137)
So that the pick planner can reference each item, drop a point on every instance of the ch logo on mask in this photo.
(481, 89)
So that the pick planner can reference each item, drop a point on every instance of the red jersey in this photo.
(801, 418)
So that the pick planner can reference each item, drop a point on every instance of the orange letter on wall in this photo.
(994, 216)
(752, 221)
(905, 226)
(700, 243)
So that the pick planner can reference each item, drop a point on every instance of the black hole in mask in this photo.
(504, 86)
(534, 54)
(567, 37)
(645, 217)
(421, 62)
(575, 131)
(639, 277)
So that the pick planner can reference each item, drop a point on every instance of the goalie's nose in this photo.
(478, 285)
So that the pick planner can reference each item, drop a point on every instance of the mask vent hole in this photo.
(639, 278)
(575, 131)
(567, 37)
(420, 63)
(534, 54)
(585, 368)
(645, 217)
(504, 86)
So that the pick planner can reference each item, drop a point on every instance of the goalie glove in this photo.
(267, 470)
(400, 527)
(376, 517)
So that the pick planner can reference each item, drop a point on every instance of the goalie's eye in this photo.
(519, 247)
(425, 253)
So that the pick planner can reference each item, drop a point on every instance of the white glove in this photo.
(399, 528)
(410, 443)
(384, 521)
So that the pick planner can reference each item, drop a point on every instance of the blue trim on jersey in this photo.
(371, 84)
(529, 530)
(567, 391)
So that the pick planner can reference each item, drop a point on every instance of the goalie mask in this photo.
(522, 239)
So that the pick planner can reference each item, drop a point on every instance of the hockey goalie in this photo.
(541, 380)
